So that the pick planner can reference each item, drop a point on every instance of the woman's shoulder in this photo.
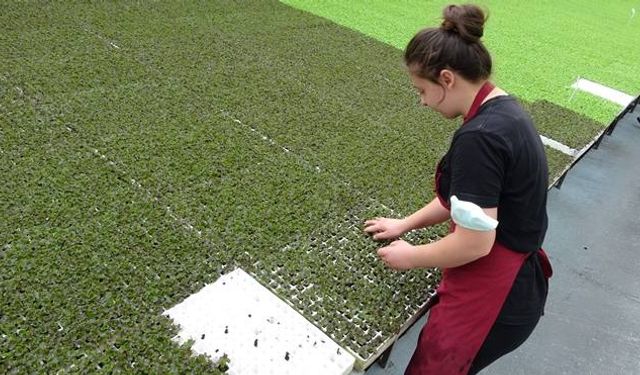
(500, 109)
(497, 126)
(500, 117)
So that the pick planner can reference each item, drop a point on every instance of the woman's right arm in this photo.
(387, 229)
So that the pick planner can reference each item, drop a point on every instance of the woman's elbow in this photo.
(483, 251)
(486, 244)
(480, 243)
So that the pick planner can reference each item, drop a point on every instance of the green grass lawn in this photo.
(539, 48)
(147, 148)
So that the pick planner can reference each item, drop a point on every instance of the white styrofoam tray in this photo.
(259, 333)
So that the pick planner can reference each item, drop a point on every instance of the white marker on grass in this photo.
(558, 146)
(602, 91)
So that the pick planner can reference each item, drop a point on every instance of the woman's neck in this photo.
(472, 91)
(497, 91)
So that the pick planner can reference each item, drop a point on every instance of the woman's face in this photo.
(435, 96)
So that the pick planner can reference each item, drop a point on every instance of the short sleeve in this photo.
(478, 162)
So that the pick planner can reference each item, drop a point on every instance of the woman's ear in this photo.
(447, 78)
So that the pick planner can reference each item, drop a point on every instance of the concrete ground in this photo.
(592, 321)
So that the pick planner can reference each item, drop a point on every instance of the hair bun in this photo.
(465, 20)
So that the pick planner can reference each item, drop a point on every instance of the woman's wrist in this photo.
(406, 225)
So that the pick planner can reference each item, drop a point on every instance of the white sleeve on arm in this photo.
(471, 216)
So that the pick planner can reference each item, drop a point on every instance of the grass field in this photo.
(539, 48)
(149, 147)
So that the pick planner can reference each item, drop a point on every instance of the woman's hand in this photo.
(399, 255)
(383, 228)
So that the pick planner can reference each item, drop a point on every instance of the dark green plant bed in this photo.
(563, 125)
(88, 264)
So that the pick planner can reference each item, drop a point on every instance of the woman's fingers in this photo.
(377, 231)
(382, 252)
(382, 235)
(372, 221)
(378, 227)
(372, 228)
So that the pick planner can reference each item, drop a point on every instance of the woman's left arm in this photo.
(458, 248)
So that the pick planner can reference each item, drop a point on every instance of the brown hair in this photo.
(454, 45)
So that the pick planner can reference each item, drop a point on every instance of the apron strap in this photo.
(485, 90)
(545, 263)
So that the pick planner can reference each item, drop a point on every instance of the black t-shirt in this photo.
(497, 160)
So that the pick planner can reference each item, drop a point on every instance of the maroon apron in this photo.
(469, 299)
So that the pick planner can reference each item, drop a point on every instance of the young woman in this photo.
(492, 184)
